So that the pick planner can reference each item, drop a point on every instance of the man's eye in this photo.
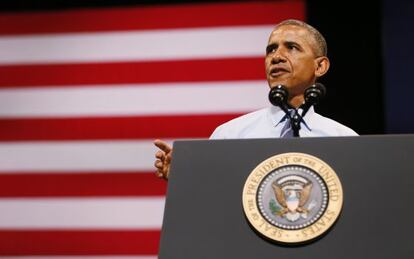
(270, 49)
(291, 46)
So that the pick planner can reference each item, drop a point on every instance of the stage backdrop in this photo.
(398, 41)
(84, 92)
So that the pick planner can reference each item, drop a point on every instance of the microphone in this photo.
(313, 95)
(278, 96)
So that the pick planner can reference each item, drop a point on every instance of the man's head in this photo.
(295, 57)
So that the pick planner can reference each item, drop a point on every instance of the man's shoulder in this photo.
(333, 127)
(231, 129)
(246, 118)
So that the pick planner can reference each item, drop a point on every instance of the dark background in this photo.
(370, 47)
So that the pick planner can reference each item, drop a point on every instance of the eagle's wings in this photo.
(305, 194)
(280, 196)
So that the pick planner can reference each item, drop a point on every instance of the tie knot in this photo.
(292, 121)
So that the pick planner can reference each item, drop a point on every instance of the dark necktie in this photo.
(287, 131)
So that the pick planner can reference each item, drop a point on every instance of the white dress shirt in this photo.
(269, 122)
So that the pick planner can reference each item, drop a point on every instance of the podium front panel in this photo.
(204, 216)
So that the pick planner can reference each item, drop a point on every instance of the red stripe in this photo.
(58, 184)
(154, 17)
(79, 242)
(132, 72)
(179, 126)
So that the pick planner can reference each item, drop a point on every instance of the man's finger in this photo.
(167, 158)
(159, 164)
(160, 155)
(162, 145)
(160, 175)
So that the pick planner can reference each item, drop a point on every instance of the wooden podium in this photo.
(204, 217)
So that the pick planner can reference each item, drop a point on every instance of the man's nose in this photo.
(278, 57)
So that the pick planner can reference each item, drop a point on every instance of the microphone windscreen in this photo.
(321, 88)
(314, 93)
(278, 95)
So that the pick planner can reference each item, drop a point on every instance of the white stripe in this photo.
(104, 213)
(135, 45)
(77, 156)
(81, 257)
(145, 99)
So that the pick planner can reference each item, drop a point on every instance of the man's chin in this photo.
(274, 83)
(293, 90)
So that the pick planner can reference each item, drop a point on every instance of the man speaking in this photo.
(296, 56)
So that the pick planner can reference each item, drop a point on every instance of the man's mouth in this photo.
(277, 71)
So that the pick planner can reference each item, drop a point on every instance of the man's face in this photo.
(290, 59)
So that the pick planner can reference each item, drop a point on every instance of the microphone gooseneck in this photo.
(279, 95)
(313, 95)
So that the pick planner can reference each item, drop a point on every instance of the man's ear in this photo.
(322, 66)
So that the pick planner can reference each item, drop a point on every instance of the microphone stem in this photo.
(295, 123)
(305, 108)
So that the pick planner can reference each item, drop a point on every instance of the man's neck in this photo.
(296, 101)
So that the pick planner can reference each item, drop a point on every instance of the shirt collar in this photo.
(277, 116)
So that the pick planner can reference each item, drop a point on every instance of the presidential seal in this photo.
(292, 197)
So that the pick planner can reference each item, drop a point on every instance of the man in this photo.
(296, 56)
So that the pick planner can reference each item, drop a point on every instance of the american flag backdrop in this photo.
(84, 92)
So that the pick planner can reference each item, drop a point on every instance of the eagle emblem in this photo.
(282, 201)
(292, 193)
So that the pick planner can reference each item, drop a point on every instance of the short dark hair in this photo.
(322, 47)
